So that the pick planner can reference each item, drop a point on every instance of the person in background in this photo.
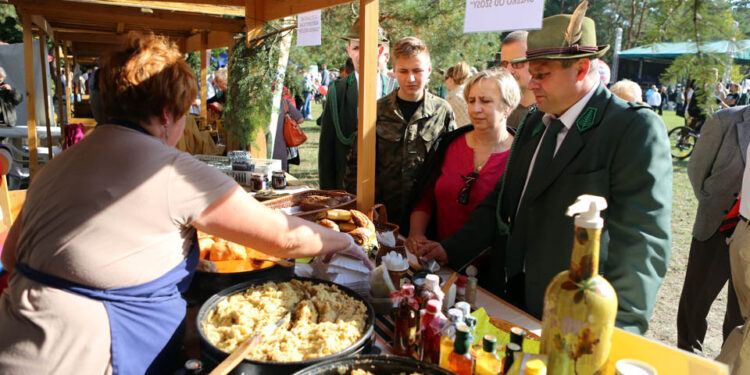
(514, 47)
(715, 172)
(106, 240)
(325, 75)
(9, 99)
(654, 99)
(409, 122)
(744, 98)
(280, 149)
(736, 349)
(734, 94)
(650, 91)
(454, 82)
(339, 121)
(664, 100)
(308, 89)
(466, 165)
(627, 90)
(581, 140)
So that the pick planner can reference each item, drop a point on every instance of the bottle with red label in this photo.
(429, 346)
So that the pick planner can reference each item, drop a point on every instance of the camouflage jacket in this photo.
(401, 147)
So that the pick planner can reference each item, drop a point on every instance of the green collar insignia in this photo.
(538, 129)
(586, 119)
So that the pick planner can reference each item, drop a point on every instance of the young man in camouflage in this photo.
(338, 123)
(409, 122)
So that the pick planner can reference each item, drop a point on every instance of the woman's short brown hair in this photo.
(459, 73)
(145, 77)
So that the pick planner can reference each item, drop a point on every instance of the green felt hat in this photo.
(552, 41)
(354, 34)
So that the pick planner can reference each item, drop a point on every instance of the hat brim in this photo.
(565, 56)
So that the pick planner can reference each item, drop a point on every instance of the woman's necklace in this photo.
(495, 148)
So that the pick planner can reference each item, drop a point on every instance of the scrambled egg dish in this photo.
(323, 321)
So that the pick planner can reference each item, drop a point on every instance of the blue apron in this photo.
(147, 321)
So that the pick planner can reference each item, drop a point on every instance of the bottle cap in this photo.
(489, 343)
(432, 281)
(455, 315)
(471, 271)
(516, 335)
(193, 365)
(471, 321)
(407, 289)
(511, 347)
(461, 281)
(535, 367)
(433, 306)
(464, 307)
(587, 209)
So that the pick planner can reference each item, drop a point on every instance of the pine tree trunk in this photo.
(640, 24)
(630, 24)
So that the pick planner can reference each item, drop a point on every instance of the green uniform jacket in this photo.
(338, 127)
(617, 150)
(401, 148)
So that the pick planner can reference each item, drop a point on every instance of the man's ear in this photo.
(582, 66)
(381, 49)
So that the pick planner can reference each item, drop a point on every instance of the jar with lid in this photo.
(278, 180)
(258, 182)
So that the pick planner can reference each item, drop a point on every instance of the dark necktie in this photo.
(546, 149)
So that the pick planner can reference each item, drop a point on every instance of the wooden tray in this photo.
(294, 202)
(506, 326)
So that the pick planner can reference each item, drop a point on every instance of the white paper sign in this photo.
(503, 15)
(308, 28)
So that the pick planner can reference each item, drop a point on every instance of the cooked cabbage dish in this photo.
(323, 321)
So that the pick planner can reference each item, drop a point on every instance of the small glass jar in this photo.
(278, 180)
(258, 182)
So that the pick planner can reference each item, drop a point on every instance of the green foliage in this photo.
(251, 74)
(438, 22)
(10, 26)
(292, 80)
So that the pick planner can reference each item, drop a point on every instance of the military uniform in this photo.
(614, 149)
(338, 128)
(401, 147)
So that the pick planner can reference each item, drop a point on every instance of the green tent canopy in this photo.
(673, 50)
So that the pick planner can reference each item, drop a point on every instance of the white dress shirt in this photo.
(379, 85)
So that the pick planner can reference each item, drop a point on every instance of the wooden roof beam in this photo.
(215, 39)
(110, 38)
(284, 8)
(42, 24)
(236, 3)
(221, 10)
(132, 16)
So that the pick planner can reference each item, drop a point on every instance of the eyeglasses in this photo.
(519, 65)
(463, 194)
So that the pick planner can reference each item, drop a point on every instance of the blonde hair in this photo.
(145, 77)
(459, 73)
(627, 90)
(409, 47)
(506, 84)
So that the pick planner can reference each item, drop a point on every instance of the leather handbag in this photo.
(293, 134)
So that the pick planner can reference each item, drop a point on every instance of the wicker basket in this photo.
(295, 201)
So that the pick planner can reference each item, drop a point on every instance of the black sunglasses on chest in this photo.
(463, 194)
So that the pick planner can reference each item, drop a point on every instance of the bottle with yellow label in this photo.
(579, 304)
(488, 363)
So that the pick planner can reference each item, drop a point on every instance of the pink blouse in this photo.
(458, 162)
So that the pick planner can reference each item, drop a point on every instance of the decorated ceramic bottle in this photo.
(580, 305)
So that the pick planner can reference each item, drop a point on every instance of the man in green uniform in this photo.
(581, 140)
(338, 124)
(409, 121)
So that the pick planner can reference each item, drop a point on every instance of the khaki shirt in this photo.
(401, 149)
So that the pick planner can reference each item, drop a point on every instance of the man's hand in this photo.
(432, 250)
(415, 241)
(6, 86)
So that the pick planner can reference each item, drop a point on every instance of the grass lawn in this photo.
(664, 321)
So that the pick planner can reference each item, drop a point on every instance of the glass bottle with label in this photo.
(429, 333)
(460, 360)
(406, 319)
(448, 335)
(488, 363)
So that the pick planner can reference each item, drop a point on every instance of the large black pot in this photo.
(206, 284)
(376, 364)
(212, 356)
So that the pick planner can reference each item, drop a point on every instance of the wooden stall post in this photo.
(204, 80)
(368, 57)
(68, 86)
(45, 66)
(28, 58)
(254, 11)
(61, 119)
